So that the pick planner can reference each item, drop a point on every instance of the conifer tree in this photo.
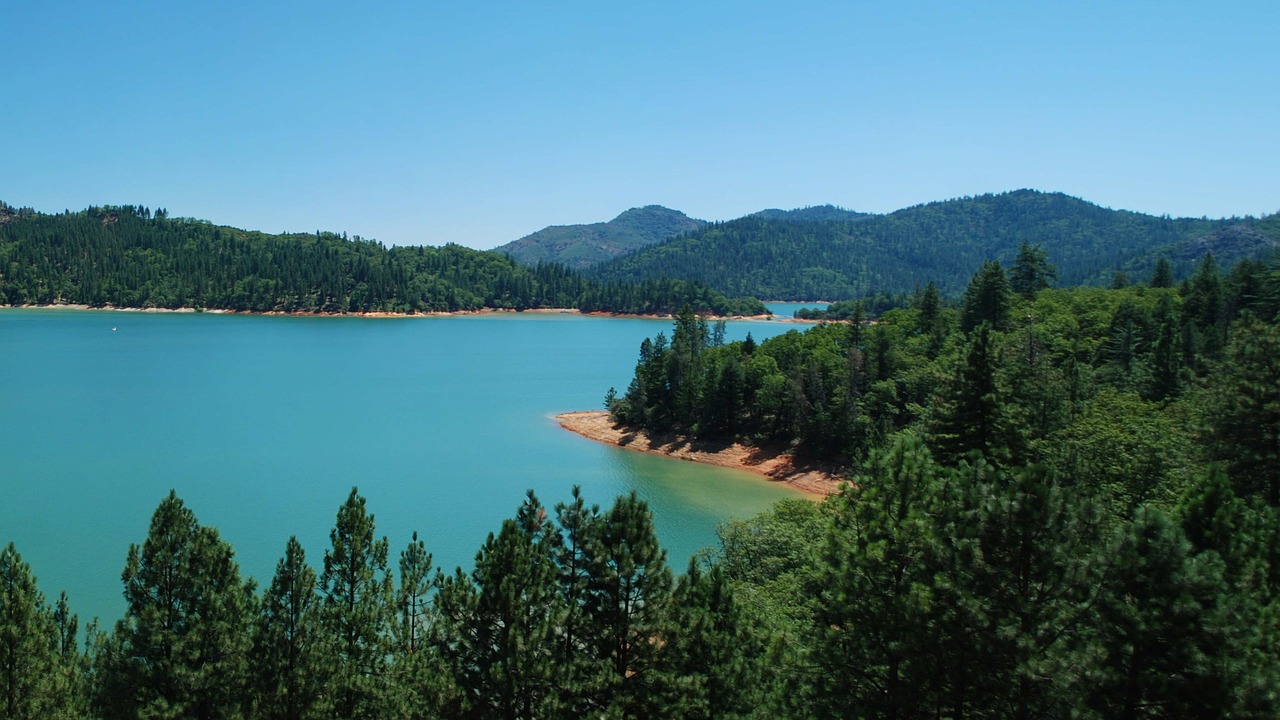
(181, 649)
(713, 659)
(1031, 271)
(1162, 276)
(289, 648)
(1158, 647)
(356, 611)
(1243, 413)
(497, 625)
(626, 600)
(987, 299)
(420, 681)
(575, 546)
(1013, 572)
(869, 656)
(971, 414)
(1204, 311)
(1165, 359)
(412, 601)
(38, 660)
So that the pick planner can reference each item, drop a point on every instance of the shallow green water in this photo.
(263, 425)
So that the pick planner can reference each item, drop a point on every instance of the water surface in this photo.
(264, 424)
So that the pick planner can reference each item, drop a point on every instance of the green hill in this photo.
(768, 257)
(127, 256)
(581, 246)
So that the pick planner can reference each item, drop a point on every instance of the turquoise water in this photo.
(263, 425)
(784, 310)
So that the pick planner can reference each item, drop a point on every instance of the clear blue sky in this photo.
(432, 122)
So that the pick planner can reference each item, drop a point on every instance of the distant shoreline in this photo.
(778, 466)
(371, 314)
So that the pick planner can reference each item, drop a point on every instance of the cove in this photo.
(263, 424)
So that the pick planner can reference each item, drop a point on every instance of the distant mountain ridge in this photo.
(782, 255)
(581, 246)
(812, 213)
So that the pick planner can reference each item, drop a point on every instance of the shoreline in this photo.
(371, 314)
(777, 466)
(282, 313)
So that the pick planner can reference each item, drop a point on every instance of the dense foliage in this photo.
(1019, 369)
(767, 256)
(580, 246)
(1063, 504)
(568, 612)
(130, 257)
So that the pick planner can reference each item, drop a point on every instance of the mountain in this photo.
(801, 259)
(581, 246)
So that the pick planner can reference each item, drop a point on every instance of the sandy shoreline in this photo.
(597, 425)
(373, 314)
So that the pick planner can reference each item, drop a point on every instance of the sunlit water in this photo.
(264, 424)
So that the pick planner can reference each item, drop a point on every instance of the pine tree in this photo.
(289, 647)
(987, 299)
(1204, 311)
(1158, 645)
(1162, 276)
(713, 659)
(1031, 271)
(575, 546)
(38, 657)
(1012, 565)
(420, 681)
(971, 415)
(356, 610)
(1243, 412)
(181, 649)
(496, 627)
(626, 601)
(869, 651)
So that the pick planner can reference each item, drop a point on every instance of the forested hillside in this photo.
(581, 246)
(127, 256)
(768, 257)
(1065, 503)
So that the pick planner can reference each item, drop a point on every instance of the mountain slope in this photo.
(580, 246)
(941, 241)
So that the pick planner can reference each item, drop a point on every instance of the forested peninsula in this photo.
(1061, 502)
(129, 256)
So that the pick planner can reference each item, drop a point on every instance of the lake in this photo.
(263, 425)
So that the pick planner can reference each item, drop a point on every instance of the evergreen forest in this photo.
(1062, 503)
(828, 254)
(130, 256)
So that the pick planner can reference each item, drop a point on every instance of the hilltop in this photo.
(581, 246)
